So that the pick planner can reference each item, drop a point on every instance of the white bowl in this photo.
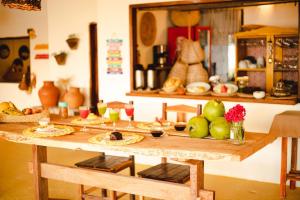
(196, 87)
(231, 88)
(259, 94)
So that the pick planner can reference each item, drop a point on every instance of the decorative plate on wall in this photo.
(4, 51)
(148, 28)
(24, 52)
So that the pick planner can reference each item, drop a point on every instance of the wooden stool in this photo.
(167, 172)
(113, 164)
(287, 125)
(174, 172)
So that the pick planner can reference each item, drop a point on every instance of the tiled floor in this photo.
(16, 183)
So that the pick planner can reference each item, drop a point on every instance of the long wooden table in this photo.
(194, 151)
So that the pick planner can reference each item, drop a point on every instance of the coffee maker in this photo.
(158, 71)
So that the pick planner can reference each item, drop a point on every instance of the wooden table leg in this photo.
(39, 154)
(294, 155)
(283, 167)
(196, 177)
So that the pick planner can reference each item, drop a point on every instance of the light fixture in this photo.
(23, 4)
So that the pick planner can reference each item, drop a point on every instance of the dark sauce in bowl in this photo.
(156, 133)
(180, 127)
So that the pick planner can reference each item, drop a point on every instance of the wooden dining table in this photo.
(174, 145)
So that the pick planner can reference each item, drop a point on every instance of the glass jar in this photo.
(63, 109)
(238, 133)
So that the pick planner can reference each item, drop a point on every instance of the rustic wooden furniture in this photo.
(178, 173)
(171, 147)
(112, 164)
(268, 43)
(286, 125)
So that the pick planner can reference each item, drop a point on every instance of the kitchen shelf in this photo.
(268, 100)
(285, 70)
(253, 69)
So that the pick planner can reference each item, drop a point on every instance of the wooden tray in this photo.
(245, 95)
(146, 91)
(223, 95)
(282, 98)
(173, 93)
(197, 94)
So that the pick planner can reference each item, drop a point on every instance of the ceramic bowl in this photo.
(157, 133)
(259, 94)
(180, 126)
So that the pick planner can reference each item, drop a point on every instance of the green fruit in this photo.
(198, 127)
(219, 128)
(213, 109)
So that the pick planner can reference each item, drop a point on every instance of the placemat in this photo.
(128, 138)
(50, 131)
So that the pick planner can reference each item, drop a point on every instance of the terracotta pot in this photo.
(49, 94)
(74, 97)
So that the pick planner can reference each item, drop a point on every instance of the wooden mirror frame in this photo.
(189, 5)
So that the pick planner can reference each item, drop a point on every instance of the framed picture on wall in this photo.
(14, 58)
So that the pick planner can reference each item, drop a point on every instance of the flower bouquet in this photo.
(236, 117)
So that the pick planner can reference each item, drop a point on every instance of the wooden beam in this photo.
(40, 184)
(122, 183)
(94, 83)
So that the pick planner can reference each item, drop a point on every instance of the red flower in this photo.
(236, 114)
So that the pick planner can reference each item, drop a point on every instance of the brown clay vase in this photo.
(73, 97)
(49, 94)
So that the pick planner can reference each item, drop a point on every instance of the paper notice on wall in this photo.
(114, 56)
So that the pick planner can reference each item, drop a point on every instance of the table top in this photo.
(286, 124)
(166, 146)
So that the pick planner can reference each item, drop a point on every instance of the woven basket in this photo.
(192, 52)
(179, 70)
(185, 18)
(23, 118)
(196, 73)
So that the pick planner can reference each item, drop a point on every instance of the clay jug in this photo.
(49, 94)
(73, 97)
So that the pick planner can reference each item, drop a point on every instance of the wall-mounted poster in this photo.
(114, 56)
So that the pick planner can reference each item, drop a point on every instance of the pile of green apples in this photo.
(212, 122)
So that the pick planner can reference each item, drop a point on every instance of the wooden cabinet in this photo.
(268, 55)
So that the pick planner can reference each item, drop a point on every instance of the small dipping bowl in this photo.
(157, 132)
(180, 126)
(44, 121)
(259, 94)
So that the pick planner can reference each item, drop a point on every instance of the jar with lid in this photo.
(63, 109)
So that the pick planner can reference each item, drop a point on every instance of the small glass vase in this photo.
(238, 133)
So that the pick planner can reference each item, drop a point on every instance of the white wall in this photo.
(13, 23)
(282, 15)
(67, 17)
(263, 165)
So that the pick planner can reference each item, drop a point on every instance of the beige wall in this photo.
(14, 23)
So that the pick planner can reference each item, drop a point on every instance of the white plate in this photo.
(231, 88)
(195, 88)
